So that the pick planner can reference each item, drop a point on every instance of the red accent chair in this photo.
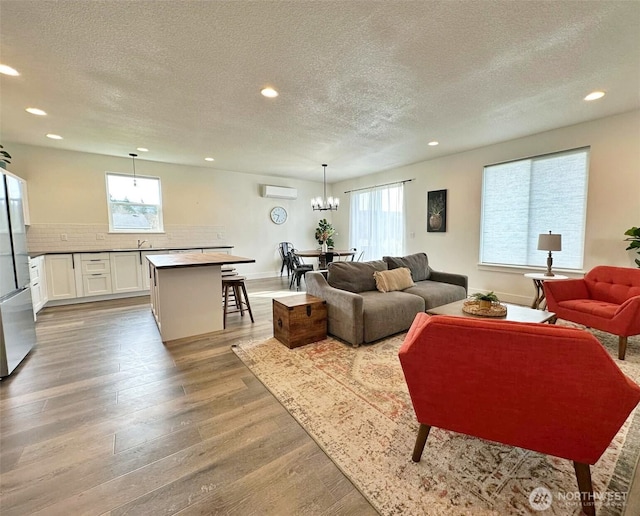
(549, 389)
(608, 299)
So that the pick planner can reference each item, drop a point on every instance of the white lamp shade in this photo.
(549, 242)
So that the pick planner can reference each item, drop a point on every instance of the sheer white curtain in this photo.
(376, 224)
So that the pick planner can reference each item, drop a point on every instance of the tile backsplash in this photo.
(96, 237)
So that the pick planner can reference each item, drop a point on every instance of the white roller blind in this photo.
(521, 199)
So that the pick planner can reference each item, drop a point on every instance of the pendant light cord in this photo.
(133, 159)
(324, 182)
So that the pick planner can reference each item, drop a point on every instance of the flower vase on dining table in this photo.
(324, 247)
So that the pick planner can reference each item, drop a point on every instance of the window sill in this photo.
(135, 231)
(523, 269)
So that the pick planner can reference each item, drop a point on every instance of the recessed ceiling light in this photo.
(142, 149)
(7, 70)
(35, 111)
(209, 159)
(269, 92)
(433, 143)
(54, 136)
(594, 95)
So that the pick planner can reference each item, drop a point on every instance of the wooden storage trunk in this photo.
(299, 320)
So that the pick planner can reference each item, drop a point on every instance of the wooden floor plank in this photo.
(103, 418)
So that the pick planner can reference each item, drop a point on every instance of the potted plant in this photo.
(5, 157)
(634, 237)
(485, 300)
(324, 232)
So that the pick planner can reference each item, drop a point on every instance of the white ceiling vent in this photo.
(279, 192)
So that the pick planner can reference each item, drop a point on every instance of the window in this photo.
(521, 199)
(376, 225)
(134, 206)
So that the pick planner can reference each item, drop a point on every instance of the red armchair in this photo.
(549, 389)
(608, 299)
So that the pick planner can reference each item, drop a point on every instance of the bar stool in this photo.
(239, 294)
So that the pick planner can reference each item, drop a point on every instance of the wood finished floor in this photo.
(103, 418)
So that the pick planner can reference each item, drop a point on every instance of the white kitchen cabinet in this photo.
(94, 263)
(126, 271)
(37, 283)
(60, 276)
(146, 270)
(93, 274)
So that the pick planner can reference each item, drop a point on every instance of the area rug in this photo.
(354, 403)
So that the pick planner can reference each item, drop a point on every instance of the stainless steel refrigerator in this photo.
(17, 329)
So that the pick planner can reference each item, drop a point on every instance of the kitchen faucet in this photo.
(141, 242)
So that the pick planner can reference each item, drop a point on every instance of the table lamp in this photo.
(549, 242)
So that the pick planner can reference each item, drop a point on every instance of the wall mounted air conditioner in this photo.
(279, 192)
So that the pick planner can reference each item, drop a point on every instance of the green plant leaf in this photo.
(489, 296)
(633, 232)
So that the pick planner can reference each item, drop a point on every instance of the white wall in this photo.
(68, 188)
(613, 200)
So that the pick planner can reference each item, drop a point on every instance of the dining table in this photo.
(322, 255)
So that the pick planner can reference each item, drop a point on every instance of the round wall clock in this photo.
(278, 215)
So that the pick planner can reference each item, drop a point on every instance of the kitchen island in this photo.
(186, 292)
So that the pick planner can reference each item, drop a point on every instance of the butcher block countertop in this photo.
(168, 261)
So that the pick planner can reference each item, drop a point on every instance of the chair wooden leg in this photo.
(583, 475)
(622, 347)
(226, 305)
(421, 440)
(237, 294)
(246, 298)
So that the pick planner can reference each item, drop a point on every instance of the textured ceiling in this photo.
(364, 85)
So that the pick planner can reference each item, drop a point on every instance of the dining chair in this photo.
(298, 269)
(283, 249)
(355, 254)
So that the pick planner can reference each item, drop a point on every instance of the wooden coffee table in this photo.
(514, 313)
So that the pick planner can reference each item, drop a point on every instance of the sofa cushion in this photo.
(386, 314)
(591, 307)
(354, 276)
(417, 263)
(612, 284)
(396, 279)
(436, 293)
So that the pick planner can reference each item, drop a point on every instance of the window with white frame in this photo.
(524, 198)
(134, 204)
(377, 221)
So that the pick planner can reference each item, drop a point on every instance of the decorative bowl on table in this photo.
(484, 305)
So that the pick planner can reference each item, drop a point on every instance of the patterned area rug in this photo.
(355, 404)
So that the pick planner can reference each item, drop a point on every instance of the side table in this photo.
(299, 320)
(539, 278)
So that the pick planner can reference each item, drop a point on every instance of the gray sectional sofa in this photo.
(358, 312)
